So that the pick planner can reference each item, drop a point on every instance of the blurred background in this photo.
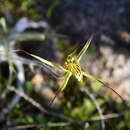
(51, 29)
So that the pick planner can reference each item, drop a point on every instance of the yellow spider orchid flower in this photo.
(71, 67)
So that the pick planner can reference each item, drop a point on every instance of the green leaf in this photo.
(29, 86)
(91, 49)
(29, 119)
(41, 119)
(88, 103)
(95, 86)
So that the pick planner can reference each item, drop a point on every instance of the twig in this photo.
(109, 116)
(50, 124)
(58, 124)
(22, 127)
(20, 81)
(21, 94)
(91, 96)
(43, 110)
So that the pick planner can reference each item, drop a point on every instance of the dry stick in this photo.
(58, 124)
(97, 106)
(19, 82)
(43, 110)
(22, 127)
(108, 116)
(50, 124)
